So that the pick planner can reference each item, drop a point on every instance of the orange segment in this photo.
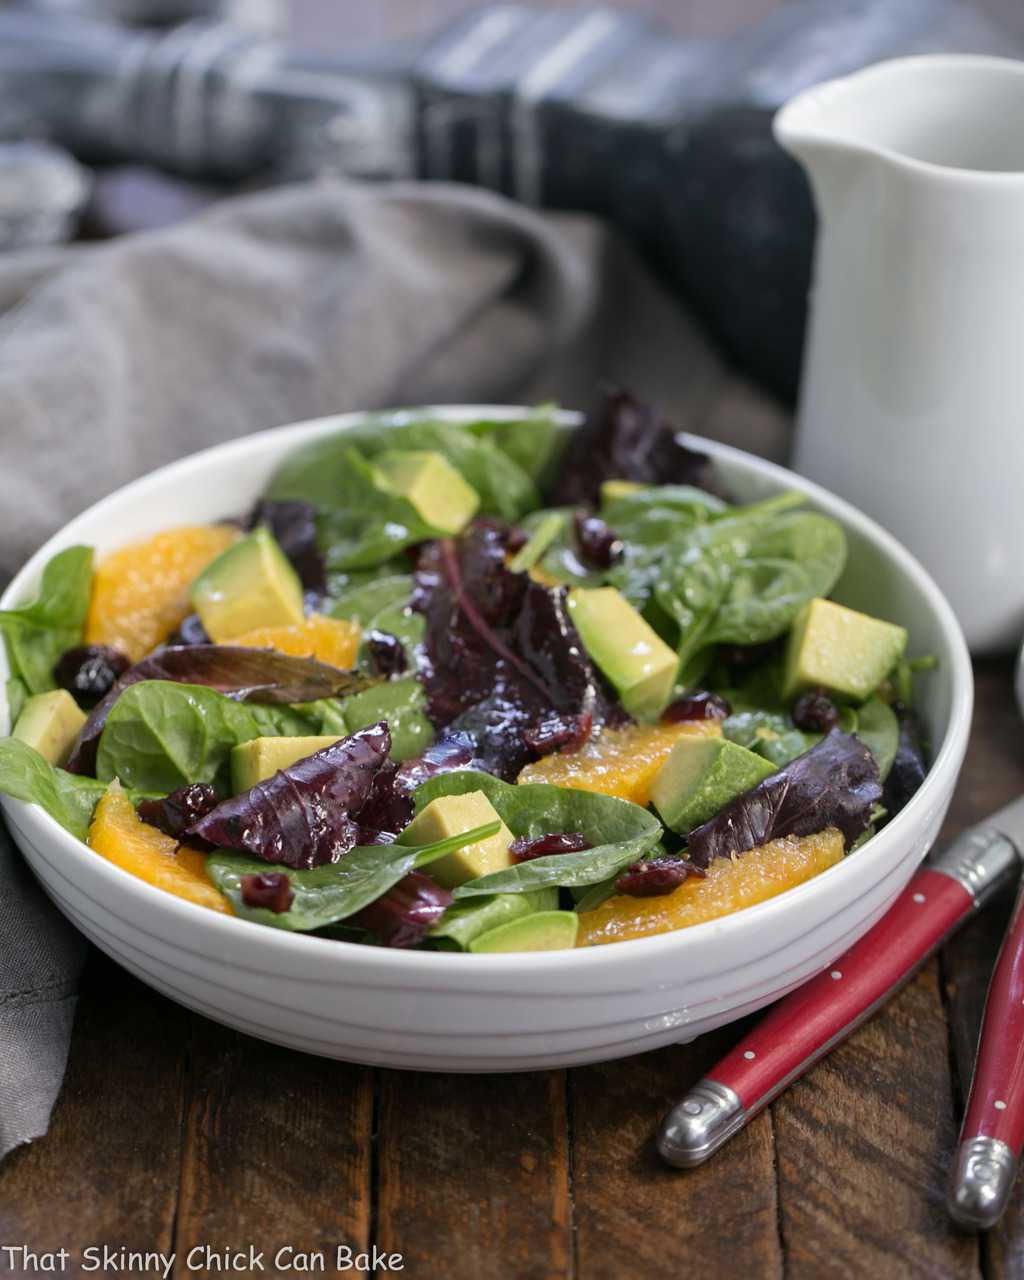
(618, 762)
(140, 593)
(119, 834)
(730, 885)
(332, 640)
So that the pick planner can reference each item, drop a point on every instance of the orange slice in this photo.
(618, 762)
(141, 592)
(331, 640)
(730, 885)
(119, 834)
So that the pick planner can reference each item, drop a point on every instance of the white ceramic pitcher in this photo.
(912, 403)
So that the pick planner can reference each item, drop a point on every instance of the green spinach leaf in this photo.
(402, 703)
(161, 735)
(67, 797)
(879, 730)
(535, 442)
(364, 601)
(468, 919)
(337, 890)
(360, 523)
(37, 633)
(620, 831)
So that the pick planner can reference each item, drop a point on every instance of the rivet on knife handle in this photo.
(803, 1026)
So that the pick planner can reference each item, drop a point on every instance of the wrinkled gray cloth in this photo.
(303, 302)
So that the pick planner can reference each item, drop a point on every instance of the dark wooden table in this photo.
(173, 1133)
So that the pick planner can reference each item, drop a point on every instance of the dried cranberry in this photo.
(90, 671)
(815, 712)
(555, 733)
(271, 890)
(517, 539)
(190, 632)
(386, 654)
(175, 813)
(524, 849)
(702, 705)
(403, 915)
(599, 546)
(654, 877)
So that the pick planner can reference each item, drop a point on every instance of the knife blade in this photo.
(808, 1023)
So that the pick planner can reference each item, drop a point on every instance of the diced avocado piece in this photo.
(612, 490)
(449, 816)
(250, 585)
(700, 776)
(628, 650)
(546, 531)
(401, 703)
(467, 919)
(50, 723)
(261, 758)
(430, 482)
(544, 931)
(843, 651)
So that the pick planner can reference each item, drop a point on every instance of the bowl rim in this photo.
(876, 853)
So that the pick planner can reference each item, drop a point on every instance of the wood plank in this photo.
(864, 1144)
(474, 1175)
(107, 1172)
(634, 1215)
(277, 1150)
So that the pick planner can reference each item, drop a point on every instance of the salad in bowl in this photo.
(469, 686)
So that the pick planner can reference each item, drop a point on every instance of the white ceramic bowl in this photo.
(456, 1012)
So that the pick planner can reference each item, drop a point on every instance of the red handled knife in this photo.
(808, 1023)
(992, 1133)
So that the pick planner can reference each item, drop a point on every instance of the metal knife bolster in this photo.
(977, 860)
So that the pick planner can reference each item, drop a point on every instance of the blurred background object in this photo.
(42, 193)
(602, 110)
(266, 16)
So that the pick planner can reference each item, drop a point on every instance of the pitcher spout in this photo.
(927, 112)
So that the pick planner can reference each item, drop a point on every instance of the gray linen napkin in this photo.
(306, 301)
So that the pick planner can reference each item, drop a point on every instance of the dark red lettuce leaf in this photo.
(402, 916)
(500, 654)
(625, 440)
(909, 767)
(304, 815)
(247, 675)
(293, 524)
(390, 806)
(835, 784)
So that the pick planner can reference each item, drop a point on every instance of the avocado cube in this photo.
(430, 482)
(544, 931)
(261, 758)
(450, 816)
(612, 490)
(846, 652)
(50, 723)
(628, 650)
(250, 585)
(700, 776)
